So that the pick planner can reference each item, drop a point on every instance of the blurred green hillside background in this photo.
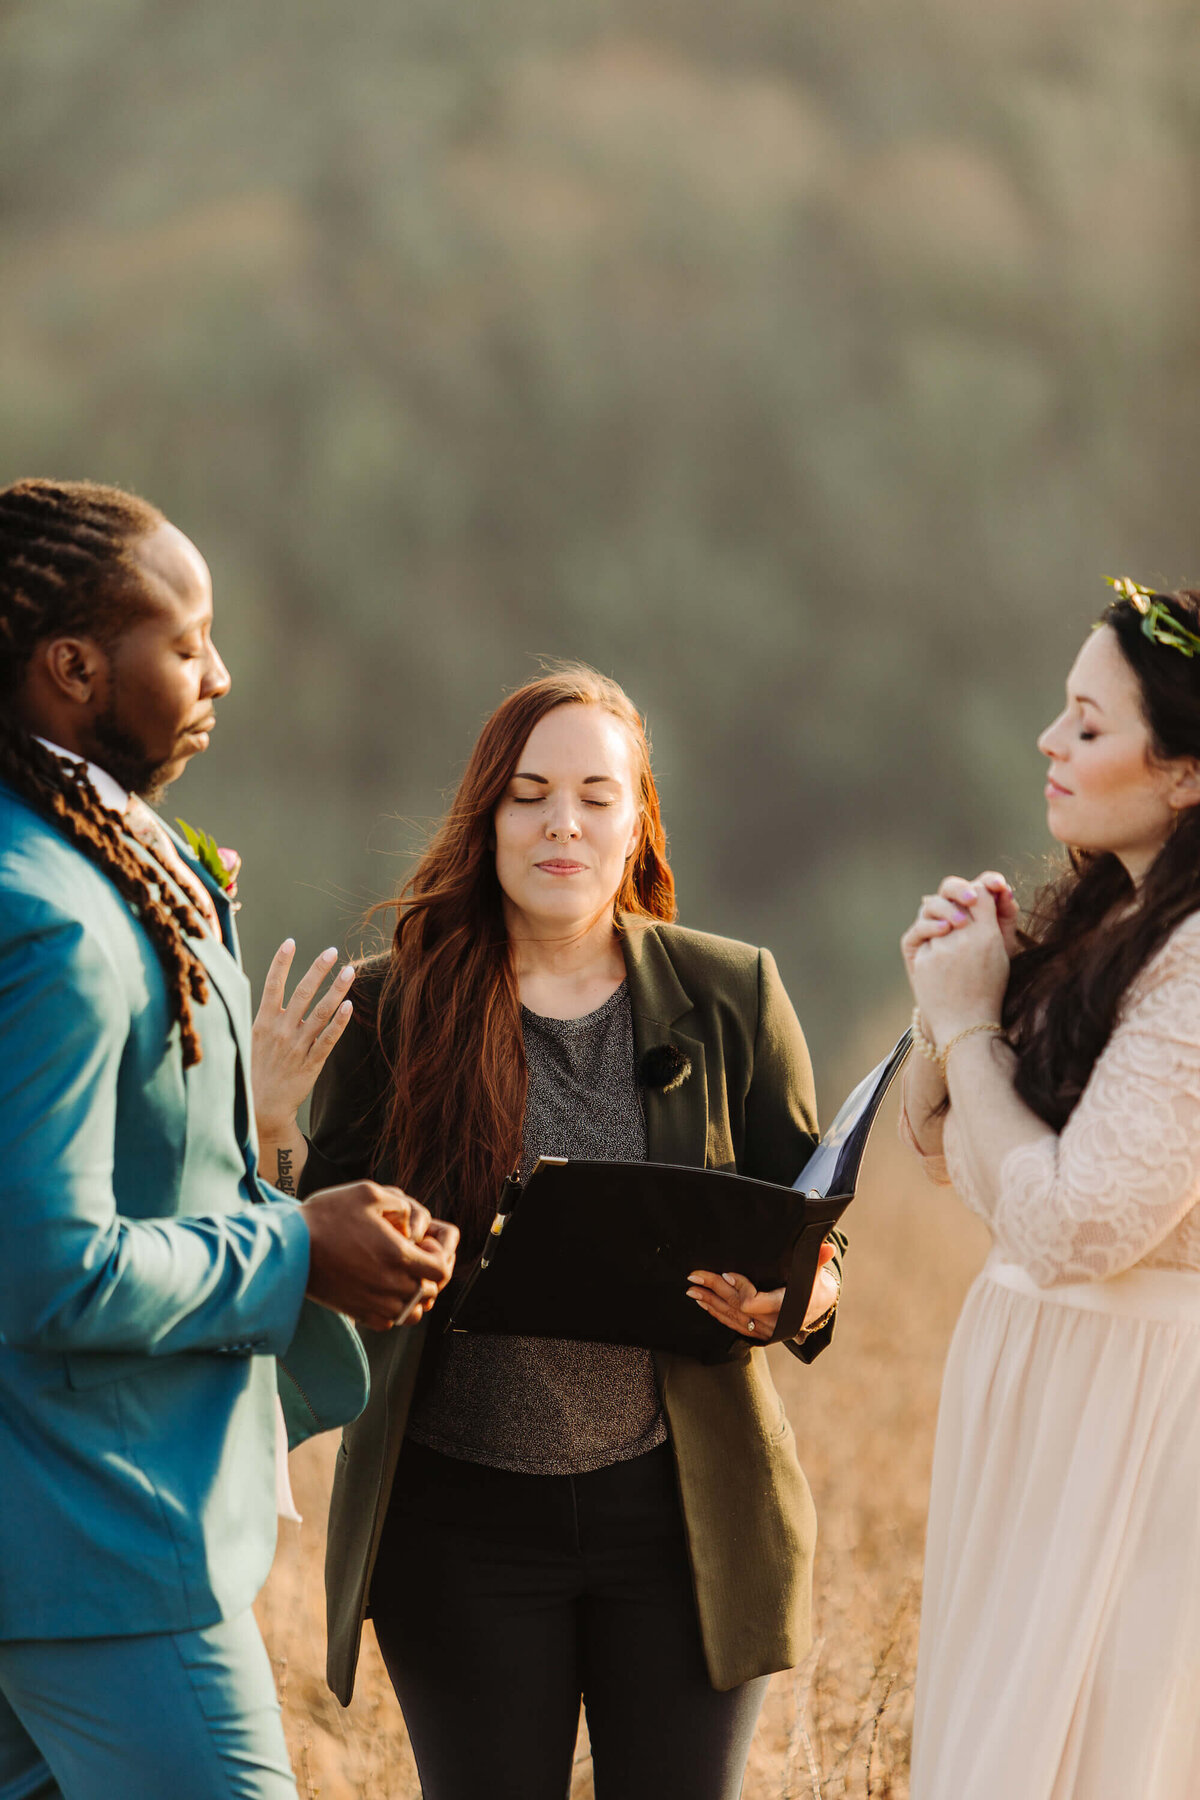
(804, 366)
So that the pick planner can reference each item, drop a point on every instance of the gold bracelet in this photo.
(983, 1025)
(826, 1318)
(807, 1331)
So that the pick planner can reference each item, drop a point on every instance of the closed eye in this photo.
(536, 800)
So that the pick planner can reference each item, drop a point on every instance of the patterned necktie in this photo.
(150, 832)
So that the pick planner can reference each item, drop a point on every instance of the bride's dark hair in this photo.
(1081, 948)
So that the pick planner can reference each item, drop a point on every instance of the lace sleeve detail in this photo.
(1125, 1170)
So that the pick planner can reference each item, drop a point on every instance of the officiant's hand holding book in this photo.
(734, 1301)
(831, 1169)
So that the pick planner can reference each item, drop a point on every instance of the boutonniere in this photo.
(223, 865)
(664, 1067)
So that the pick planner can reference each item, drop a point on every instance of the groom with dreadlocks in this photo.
(153, 1310)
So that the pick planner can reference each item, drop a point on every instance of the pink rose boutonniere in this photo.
(223, 865)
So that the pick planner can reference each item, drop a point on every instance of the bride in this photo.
(1060, 1091)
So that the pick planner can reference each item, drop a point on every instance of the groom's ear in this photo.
(74, 669)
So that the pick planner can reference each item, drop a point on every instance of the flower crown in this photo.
(1159, 623)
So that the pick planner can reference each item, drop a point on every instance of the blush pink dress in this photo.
(1060, 1629)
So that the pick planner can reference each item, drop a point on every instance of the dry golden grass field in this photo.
(838, 1728)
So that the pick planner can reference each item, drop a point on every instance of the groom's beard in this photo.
(123, 757)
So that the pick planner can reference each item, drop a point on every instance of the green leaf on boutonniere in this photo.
(204, 849)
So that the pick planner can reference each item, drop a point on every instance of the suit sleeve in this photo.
(74, 1274)
(781, 1110)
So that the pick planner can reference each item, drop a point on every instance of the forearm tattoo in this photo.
(285, 1181)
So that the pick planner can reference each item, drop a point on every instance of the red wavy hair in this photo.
(448, 1013)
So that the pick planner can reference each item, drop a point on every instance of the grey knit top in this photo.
(552, 1406)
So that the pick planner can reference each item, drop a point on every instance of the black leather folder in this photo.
(602, 1250)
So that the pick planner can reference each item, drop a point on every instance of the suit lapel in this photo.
(225, 912)
(676, 1121)
(222, 965)
(225, 975)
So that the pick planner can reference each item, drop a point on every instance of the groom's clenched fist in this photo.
(376, 1253)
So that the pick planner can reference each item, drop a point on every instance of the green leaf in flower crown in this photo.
(204, 848)
(1159, 623)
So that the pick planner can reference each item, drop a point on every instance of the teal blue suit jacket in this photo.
(148, 1277)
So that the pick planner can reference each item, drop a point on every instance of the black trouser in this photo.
(500, 1600)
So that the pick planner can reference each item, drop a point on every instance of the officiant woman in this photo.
(592, 1520)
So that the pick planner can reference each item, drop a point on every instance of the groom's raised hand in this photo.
(376, 1252)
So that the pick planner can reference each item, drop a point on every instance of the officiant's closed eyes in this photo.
(600, 1520)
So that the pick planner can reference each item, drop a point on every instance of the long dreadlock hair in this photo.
(64, 568)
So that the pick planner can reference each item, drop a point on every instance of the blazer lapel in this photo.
(676, 1120)
(229, 981)
(222, 965)
(225, 912)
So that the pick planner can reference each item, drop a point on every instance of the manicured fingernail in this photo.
(731, 1279)
(345, 1009)
(328, 955)
(288, 944)
(346, 974)
(961, 915)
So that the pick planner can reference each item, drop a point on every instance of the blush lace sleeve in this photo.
(1119, 1185)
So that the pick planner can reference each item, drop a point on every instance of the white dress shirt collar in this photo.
(111, 792)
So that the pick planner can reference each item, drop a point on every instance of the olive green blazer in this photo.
(748, 1106)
